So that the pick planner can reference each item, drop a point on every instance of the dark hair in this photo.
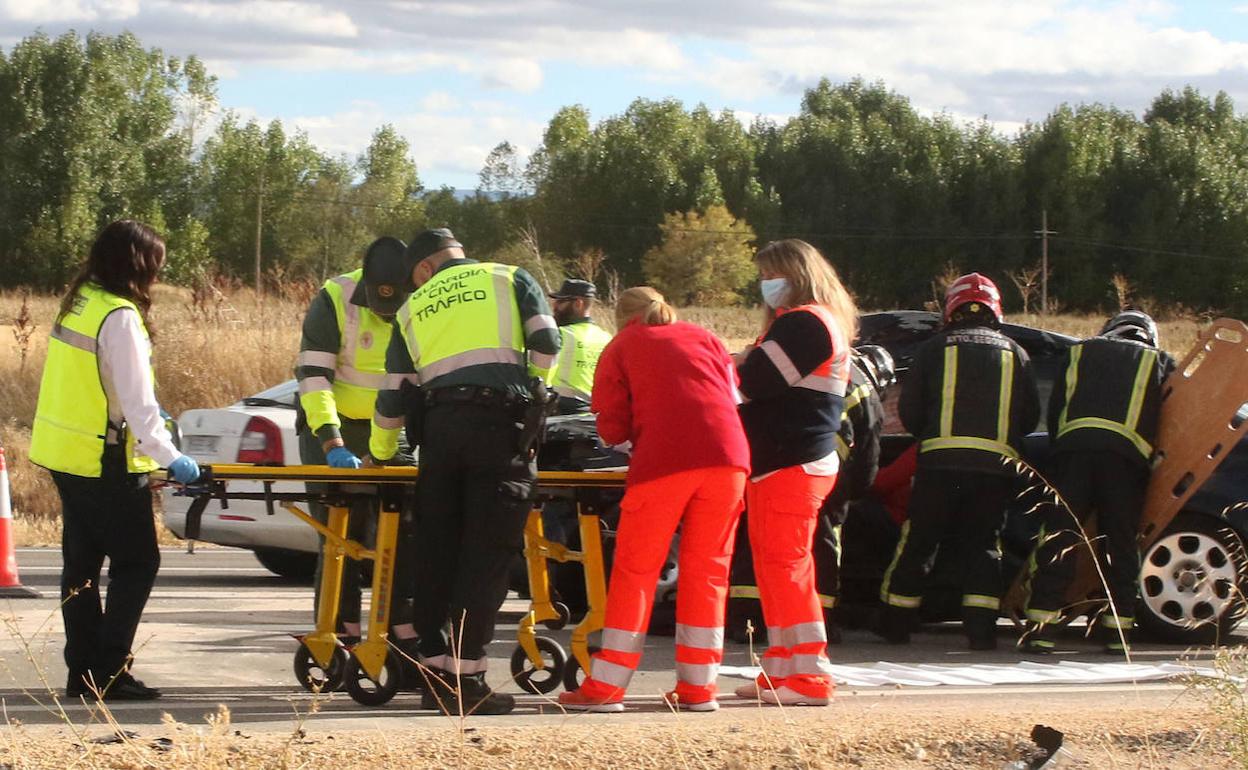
(124, 260)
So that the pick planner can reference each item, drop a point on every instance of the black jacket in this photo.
(952, 400)
(1110, 400)
(788, 425)
(858, 441)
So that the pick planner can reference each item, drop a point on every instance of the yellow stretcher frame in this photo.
(349, 485)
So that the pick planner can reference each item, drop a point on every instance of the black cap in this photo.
(387, 277)
(575, 288)
(429, 242)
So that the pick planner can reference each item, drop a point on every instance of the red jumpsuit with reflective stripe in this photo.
(670, 389)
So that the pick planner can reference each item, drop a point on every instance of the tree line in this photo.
(1151, 208)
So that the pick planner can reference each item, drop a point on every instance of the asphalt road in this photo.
(218, 630)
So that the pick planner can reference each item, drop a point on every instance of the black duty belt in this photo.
(475, 394)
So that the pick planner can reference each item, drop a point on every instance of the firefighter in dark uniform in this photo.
(340, 369)
(858, 445)
(1103, 418)
(478, 340)
(969, 399)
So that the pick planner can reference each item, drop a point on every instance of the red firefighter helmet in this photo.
(973, 288)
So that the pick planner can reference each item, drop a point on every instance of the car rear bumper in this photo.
(246, 523)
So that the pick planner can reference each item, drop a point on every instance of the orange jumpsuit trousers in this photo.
(784, 507)
(706, 504)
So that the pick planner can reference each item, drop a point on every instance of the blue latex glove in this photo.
(341, 457)
(184, 470)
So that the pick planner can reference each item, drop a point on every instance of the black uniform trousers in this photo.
(111, 517)
(1110, 487)
(355, 434)
(826, 549)
(472, 500)
(951, 508)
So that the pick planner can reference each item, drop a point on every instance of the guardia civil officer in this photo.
(1103, 418)
(100, 431)
(581, 344)
(341, 366)
(479, 340)
(969, 399)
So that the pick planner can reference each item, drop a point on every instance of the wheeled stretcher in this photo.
(371, 669)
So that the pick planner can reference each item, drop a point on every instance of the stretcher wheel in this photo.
(573, 674)
(315, 678)
(565, 614)
(367, 692)
(537, 681)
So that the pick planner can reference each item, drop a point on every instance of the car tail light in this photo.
(261, 443)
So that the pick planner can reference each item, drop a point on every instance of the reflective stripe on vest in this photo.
(1128, 427)
(360, 365)
(71, 418)
(948, 393)
(484, 328)
(831, 376)
(582, 345)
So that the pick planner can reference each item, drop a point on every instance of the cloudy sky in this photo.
(457, 77)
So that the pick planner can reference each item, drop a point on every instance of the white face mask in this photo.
(775, 291)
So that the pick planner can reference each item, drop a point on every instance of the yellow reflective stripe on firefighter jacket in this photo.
(582, 344)
(358, 366)
(1111, 385)
(465, 315)
(969, 399)
(948, 439)
(71, 419)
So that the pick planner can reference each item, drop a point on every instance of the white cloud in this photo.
(443, 145)
(285, 17)
(438, 101)
(45, 11)
(514, 74)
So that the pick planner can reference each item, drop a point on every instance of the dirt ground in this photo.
(854, 733)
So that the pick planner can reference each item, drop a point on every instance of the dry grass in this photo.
(213, 349)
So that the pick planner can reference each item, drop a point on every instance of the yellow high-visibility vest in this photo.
(71, 419)
(359, 365)
(582, 344)
(466, 315)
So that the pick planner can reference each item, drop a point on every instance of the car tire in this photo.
(1192, 581)
(283, 562)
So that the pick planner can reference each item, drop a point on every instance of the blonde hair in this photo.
(646, 303)
(811, 279)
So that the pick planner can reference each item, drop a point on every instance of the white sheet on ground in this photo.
(885, 674)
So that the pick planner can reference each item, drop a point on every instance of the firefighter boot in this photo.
(1116, 641)
(830, 625)
(892, 624)
(1038, 639)
(467, 694)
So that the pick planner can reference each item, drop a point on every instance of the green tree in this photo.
(501, 175)
(388, 194)
(87, 135)
(702, 259)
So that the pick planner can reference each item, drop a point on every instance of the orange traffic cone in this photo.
(10, 584)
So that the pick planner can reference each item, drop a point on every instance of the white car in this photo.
(259, 429)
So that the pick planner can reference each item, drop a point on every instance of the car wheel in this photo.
(283, 562)
(1192, 581)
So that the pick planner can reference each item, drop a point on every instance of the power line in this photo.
(1146, 250)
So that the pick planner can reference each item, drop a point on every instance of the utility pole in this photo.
(1044, 232)
(259, 221)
